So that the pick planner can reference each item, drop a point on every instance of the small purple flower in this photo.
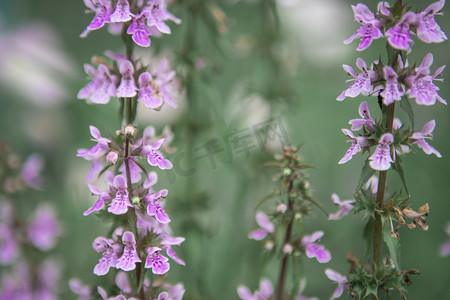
(381, 159)
(127, 87)
(99, 149)
(154, 207)
(139, 31)
(103, 10)
(391, 91)
(344, 207)
(372, 183)
(315, 250)
(154, 157)
(168, 242)
(357, 143)
(156, 261)
(165, 81)
(103, 196)
(8, 244)
(95, 169)
(148, 91)
(426, 133)
(265, 224)
(367, 120)
(175, 292)
(102, 86)
(44, 228)
(122, 12)
(122, 282)
(129, 258)
(362, 82)
(445, 248)
(83, 291)
(157, 14)
(112, 157)
(31, 171)
(383, 8)
(109, 255)
(427, 28)
(264, 293)
(339, 279)
(399, 36)
(119, 205)
(135, 170)
(370, 27)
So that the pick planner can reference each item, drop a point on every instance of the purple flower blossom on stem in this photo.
(445, 248)
(362, 82)
(129, 258)
(44, 228)
(165, 81)
(156, 261)
(344, 207)
(121, 201)
(399, 36)
(127, 87)
(8, 244)
(122, 12)
(109, 255)
(367, 120)
(357, 143)
(264, 293)
(372, 183)
(31, 171)
(427, 28)
(154, 157)
(102, 198)
(391, 91)
(148, 91)
(154, 207)
(83, 292)
(99, 149)
(381, 159)
(426, 133)
(102, 86)
(135, 170)
(315, 250)
(102, 9)
(370, 27)
(139, 31)
(339, 279)
(157, 14)
(168, 242)
(265, 224)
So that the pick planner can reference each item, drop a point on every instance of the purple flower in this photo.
(367, 120)
(139, 31)
(119, 205)
(83, 291)
(135, 170)
(154, 207)
(370, 27)
(94, 170)
(109, 255)
(148, 224)
(44, 228)
(264, 293)
(391, 91)
(445, 248)
(427, 28)
(122, 12)
(99, 149)
(362, 82)
(31, 171)
(168, 242)
(154, 157)
(102, 9)
(383, 8)
(156, 261)
(129, 258)
(165, 81)
(344, 207)
(122, 282)
(421, 84)
(148, 91)
(175, 292)
(157, 14)
(102, 86)
(357, 143)
(265, 224)
(315, 250)
(8, 244)
(381, 159)
(426, 133)
(127, 87)
(102, 198)
(339, 279)
(372, 183)
(399, 36)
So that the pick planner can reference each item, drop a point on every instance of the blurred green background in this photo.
(252, 74)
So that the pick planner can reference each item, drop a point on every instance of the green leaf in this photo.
(398, 167)
(406, 106)
(368, 236)
(392, 243)
(296, 276)
(366, 173)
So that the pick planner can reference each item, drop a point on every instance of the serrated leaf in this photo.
(366, 173)
(398, 167)
(368, 236)
(406, 106)
(392, 244)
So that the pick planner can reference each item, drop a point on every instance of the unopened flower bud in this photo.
(281, 208)
(269, 245)
(130, 130)
(112, 157)
(136, 200)
(287, 172)
(287, 249)
(297, 216)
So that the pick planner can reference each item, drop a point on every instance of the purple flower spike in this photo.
(344, 207)
(166, 82)
(426, 133)
(127, 87)
(367, 120)
(156, 261)
(154, 157)
(103, 10)
(119, 205)
(122, 12)
(154, 207)
(31, 171)
(339, 279)
(362, 82)
(370, 27)
(109, 258)
(391, 91)
(265, 224)
(102, 86)
(381, 159)
(315, 250)
(399, 36)
(428, 30)
(357, 144)
(158, 14)
(148, 93)
(44, 229)
(139, 31)
(445, 248)
(129, 258)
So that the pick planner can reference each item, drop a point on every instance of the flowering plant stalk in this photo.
(140, 231)
(394, 81)
(285, 235)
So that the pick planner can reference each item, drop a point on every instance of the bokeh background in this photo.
(251, 68)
